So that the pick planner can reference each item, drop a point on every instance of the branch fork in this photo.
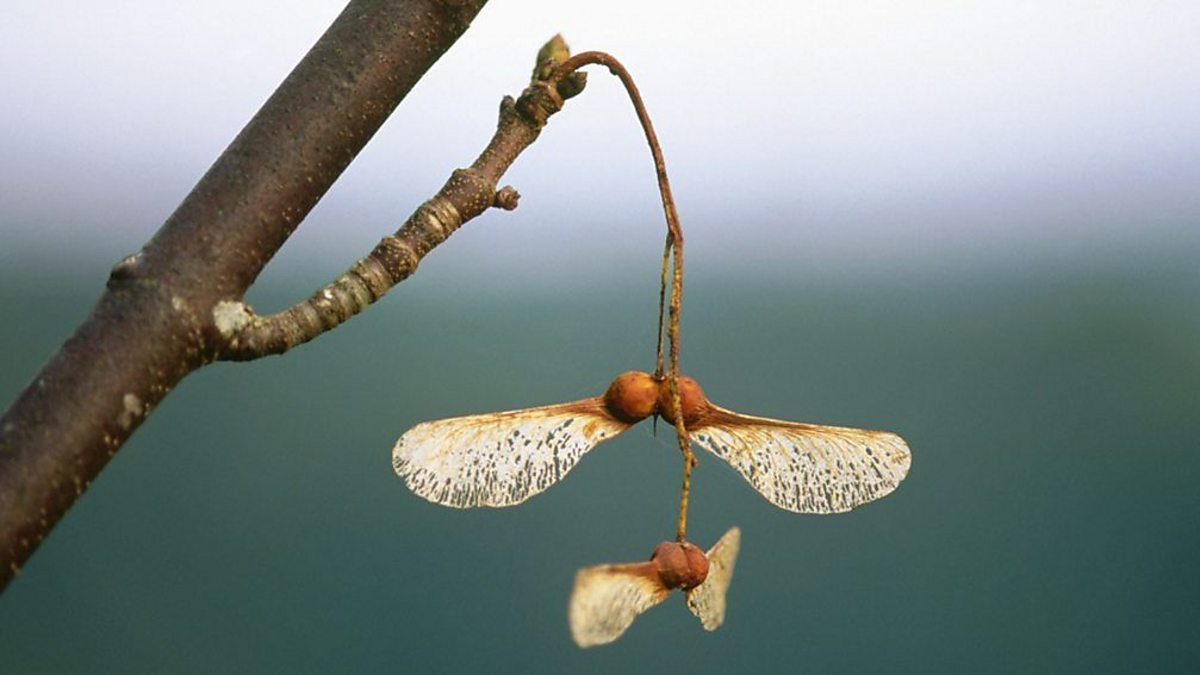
(178, 304)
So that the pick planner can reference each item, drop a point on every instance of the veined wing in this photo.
(500, 459)
(607, 598)
(806, 468)
(707, 601)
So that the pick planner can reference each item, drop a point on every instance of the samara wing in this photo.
(607, 598)
(500, 459)
(707, 601)
(806, 468)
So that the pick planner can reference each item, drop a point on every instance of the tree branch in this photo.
(157, 320)
(468, 193)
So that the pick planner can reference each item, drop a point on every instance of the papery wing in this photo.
(807, 468)
(607, 598)
(707, 601)
(500, 459)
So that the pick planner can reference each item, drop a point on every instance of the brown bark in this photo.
(155, 322)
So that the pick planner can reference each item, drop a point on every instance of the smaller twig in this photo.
(468, 193)
(394, 259)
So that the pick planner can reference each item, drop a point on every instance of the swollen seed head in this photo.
(632, 396)
(679, 565)
(691, 399)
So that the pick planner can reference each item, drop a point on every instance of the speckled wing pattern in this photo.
(707, 601)
(806, 468)
(607, 598)
(500, 459)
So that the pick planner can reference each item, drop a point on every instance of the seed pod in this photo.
(632, 397)
(691, 400)
(679, 565)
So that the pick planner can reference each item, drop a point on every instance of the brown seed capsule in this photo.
(632, 396)
(679, 565)
(691, 399)
(607, 598)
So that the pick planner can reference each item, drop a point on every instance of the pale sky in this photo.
(809, 131)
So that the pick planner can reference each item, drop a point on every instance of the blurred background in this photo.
(974, 224)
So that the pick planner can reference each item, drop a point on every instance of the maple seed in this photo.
(607, 598)
(679, 565)
(632, 397)
(502, 459)
(691, 399)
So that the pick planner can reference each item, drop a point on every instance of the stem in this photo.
(662, 296)
(674, 245)
(685, 445)
(681, 525)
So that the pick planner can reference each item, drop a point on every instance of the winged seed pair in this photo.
(502, 459)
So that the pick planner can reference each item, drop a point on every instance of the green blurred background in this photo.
(1049, 521)
(1029, 324)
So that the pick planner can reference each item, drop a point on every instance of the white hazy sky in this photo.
(808, 132)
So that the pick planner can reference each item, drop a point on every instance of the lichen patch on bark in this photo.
(132, 410)
(230, 317)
